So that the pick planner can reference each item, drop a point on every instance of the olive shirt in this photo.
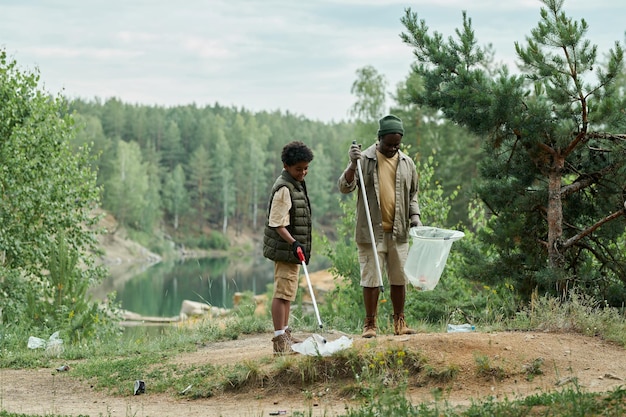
(405, 193)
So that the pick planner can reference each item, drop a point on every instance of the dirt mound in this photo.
(487, 364)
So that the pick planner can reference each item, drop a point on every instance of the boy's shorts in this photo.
(391, 257)
(286, 280)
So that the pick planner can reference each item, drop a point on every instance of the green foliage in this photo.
(320, 175)
(486, 368)
(45, 187)
(434, 204)
(48, 194)
(553, 186)
(58, 300)
(14, 287)
(229, 158)
(175, 196)
(369, 89)
(346, 311)
(582, 313)
(126, 192)
(212, 240)
(69, 308)
(452, 293)
(453, 147)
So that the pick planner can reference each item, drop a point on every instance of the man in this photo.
(391, 185)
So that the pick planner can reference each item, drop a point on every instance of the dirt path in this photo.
(597, 366)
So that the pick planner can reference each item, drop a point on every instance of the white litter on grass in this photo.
(53, 346)
(316, 345)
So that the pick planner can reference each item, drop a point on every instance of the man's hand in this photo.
(294, 247)
(416, 221)
(355, 153)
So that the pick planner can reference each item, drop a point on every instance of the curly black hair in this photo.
(295, 152)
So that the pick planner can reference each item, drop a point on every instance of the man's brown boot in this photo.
(369, 328)
(399, 325)
(370, 299)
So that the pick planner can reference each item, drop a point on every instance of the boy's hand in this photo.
(294, 247)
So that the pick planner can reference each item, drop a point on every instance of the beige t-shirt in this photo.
(279, 212)
(387, 184)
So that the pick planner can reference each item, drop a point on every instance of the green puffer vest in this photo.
(274, 246)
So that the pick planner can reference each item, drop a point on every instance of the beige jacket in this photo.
(406, 197)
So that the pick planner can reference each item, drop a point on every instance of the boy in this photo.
(287, 229)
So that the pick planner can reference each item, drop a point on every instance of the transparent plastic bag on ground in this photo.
(460, 328)
(428, 255)
(53, 346)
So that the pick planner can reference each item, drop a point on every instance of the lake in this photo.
(160, 289)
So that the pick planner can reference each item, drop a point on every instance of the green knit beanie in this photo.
(390, 124)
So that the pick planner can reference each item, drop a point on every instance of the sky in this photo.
(299, 56)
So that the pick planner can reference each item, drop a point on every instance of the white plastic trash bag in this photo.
(316, 345)
(53, 346)
(428, 255)
(36, 343)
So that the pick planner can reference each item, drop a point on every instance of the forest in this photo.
(189, 169)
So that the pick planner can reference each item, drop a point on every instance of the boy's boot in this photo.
(282, 345)
(289, 333)
(370, 299)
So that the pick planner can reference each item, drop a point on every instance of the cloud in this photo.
(205, 48)
(104, 54)
(258, 54)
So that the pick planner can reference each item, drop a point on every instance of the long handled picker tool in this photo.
(308, 281)
(369, 224)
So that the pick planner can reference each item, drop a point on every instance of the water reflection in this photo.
(160, 289)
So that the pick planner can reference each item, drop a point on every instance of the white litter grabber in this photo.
(308, 281)
(369, 224)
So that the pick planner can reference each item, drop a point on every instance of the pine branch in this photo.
(572, 240)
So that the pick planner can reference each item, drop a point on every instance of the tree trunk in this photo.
(255, 207)
(555, 214)
(225, 208)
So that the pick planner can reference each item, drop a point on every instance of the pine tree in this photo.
(553, 178)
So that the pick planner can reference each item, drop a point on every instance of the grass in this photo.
(375, 378)
(486, 368)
